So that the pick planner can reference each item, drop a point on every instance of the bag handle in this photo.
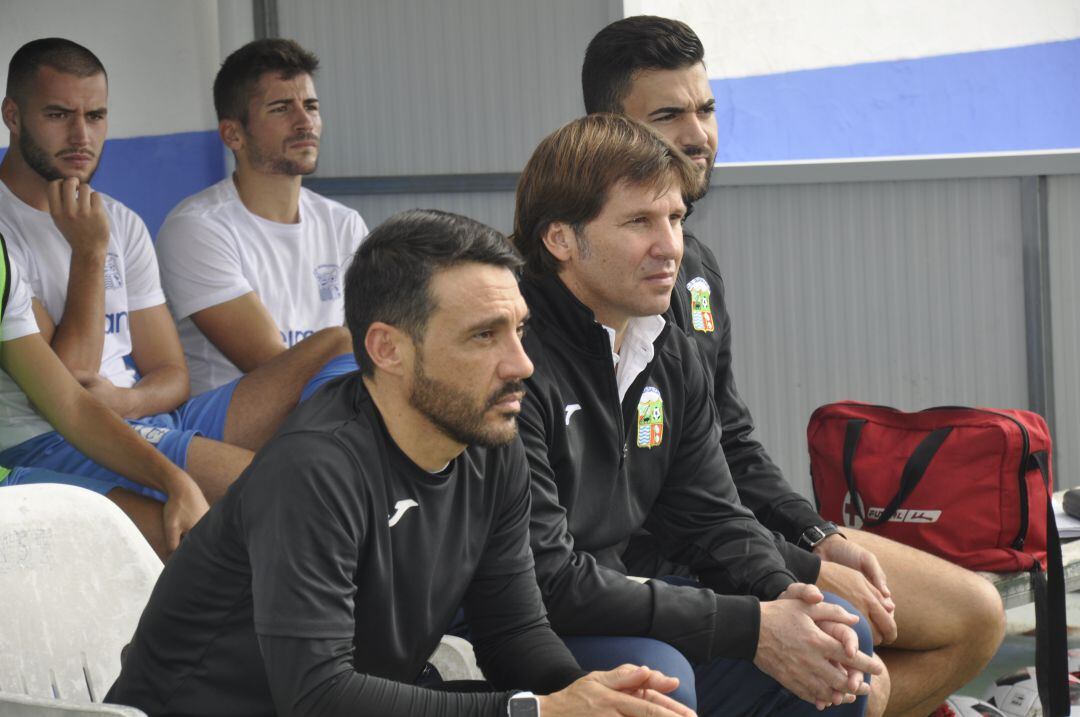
(1051, 646)
(913, 471)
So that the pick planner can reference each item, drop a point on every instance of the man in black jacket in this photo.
(327, 574)
(941, 623)
(621, 435)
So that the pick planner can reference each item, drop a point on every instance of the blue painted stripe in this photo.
(1023, 98)
(152, 174)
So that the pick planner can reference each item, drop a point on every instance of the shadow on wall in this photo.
(152, 174)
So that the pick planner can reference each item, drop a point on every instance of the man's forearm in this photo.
(79, 338)
(159, 391)
(99, 433)
(315, 678)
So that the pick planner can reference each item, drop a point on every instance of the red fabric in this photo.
(977, 479)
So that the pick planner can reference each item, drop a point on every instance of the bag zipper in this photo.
(1021, 537)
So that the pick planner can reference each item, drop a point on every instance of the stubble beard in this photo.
(38, 159)
(456, 414)
(269, 163)
(703, 188)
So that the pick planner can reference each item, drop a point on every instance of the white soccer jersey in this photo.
(212, 249)
(18, 420)
(43, 256)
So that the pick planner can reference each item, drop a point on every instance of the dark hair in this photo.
(642, 42)
(390, 276)
(62, 55)
(570, 173)
(241, 71)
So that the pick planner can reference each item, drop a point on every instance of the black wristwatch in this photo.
(523, 704)
(812, 536)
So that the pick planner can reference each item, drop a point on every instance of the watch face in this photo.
(524, 706)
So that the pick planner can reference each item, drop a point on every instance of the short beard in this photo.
(38, 159)
(278, 164)
(702, 189)
(454, 413)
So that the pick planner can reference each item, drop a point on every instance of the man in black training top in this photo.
(937, 625)
(621, 435)
(327, 574)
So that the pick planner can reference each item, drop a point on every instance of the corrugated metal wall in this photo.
(903, 293)
(495, 209)
(1063, 210)
(443, 86)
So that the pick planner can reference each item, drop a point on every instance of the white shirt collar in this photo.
(636, 351)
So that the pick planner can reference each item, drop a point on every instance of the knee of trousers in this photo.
(862, 628)
(605, 653)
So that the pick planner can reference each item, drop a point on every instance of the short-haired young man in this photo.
(327, 575)
(252, 264)
(97, 298)
(621, 436)
(38, 376)
(939, 624)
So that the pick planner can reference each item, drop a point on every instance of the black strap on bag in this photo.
(913, 472)
(1051, 646)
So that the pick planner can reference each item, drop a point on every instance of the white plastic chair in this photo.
(75, 574)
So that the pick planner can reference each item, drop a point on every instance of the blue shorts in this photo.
(171, 433)
(337, 366)
(28, 476)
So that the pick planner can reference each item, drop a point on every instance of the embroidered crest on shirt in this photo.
(700, 309)
(327, 276)
(151, 434)
(113, 279)
(650, 418)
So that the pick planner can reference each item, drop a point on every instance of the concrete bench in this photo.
(1015, 588)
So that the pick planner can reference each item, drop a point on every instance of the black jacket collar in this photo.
(552, 304)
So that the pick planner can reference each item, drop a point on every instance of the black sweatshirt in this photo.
(325, 577)
(761, 485)
(599, 475)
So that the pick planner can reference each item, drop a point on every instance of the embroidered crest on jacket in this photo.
(650, 418)
(700, 310)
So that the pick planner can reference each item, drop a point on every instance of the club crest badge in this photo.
(113, 279)
(650, 418)
(327, 276)
(700, 309)
(151, 434)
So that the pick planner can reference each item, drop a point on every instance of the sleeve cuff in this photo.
(804, 564)
(794, 517)
(737, 626)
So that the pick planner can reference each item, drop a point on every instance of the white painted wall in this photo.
(761, 37)
(161, 56)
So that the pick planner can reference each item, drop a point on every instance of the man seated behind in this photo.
(938, 624)
(31, 371)
(252, 265)
(329, 572)
(621, 436)
(97, 298)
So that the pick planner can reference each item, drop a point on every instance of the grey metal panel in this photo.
(442, 86)
(1064, 223)
(903, 293)
(495, 209)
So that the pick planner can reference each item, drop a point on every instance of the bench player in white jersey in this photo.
(39, 376)
(252, 265)
(91, 269)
